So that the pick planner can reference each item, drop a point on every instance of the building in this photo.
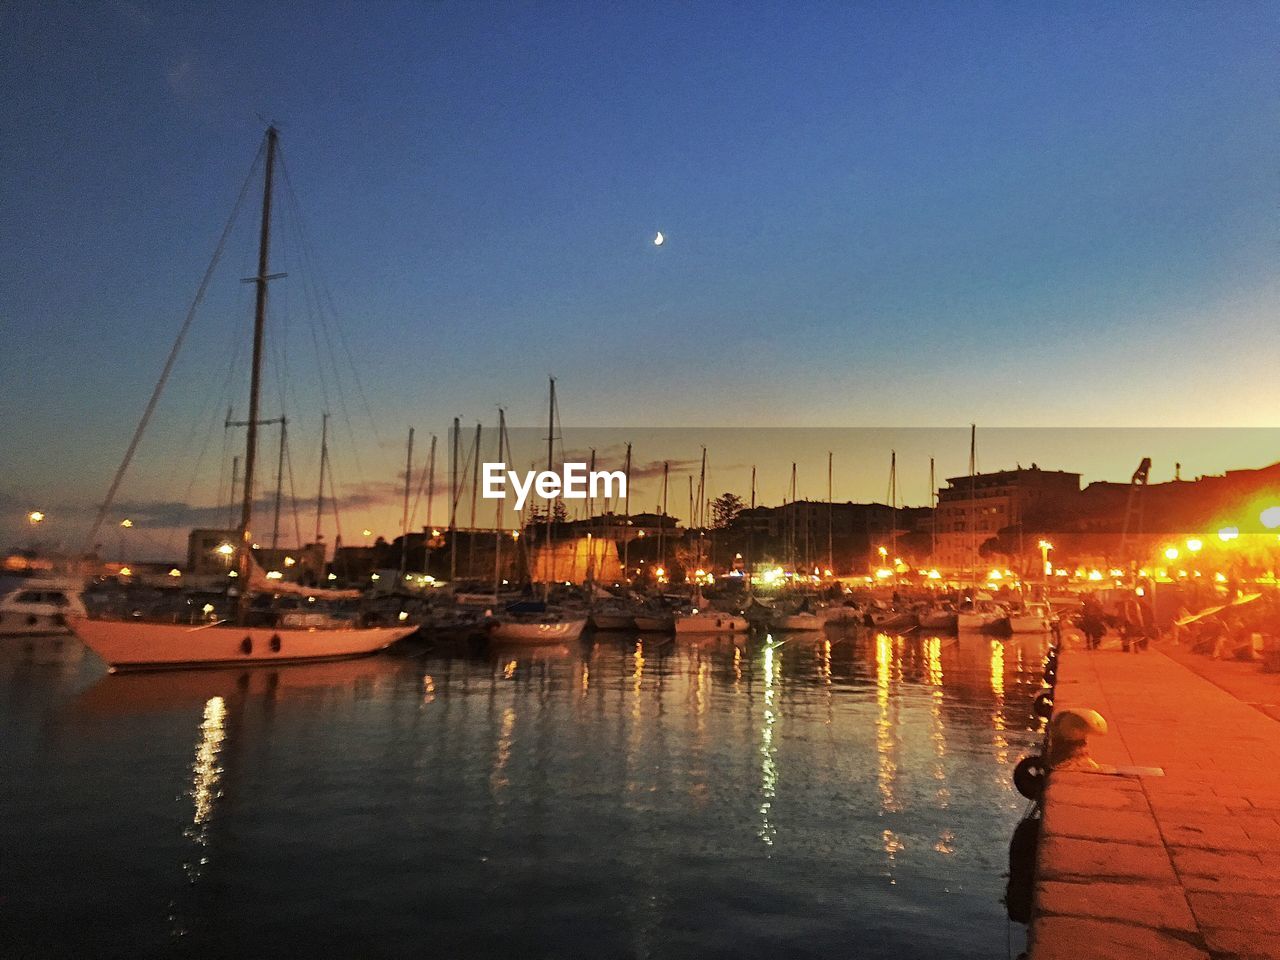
(973, 511)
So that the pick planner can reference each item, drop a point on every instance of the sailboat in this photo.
(699, 619)
(532, 622)
(136, 644)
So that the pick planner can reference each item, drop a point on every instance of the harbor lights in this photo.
(1270, 517)
(1227, 534)
(1171, 553)
(35, 518)
(1195, 545)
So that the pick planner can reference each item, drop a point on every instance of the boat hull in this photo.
(655, 624)
(985, 622)
(514, 631)
(1031, 624)
(610, 621)
(32, 625)
(711, 623)
(938, 621)
(798, 621)
(131, 645)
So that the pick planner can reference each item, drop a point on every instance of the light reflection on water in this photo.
(629, 796)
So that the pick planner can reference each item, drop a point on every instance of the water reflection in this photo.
(205, 776)
(768, 752)
(632, 786)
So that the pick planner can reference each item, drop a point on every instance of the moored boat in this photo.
(137, 643)
(547, 626)
(134, 644)
(710, 621)
(40, 608)
(942, 617)
(1034, 617)
(982, 615)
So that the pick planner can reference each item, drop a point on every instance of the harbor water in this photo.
(803, 795)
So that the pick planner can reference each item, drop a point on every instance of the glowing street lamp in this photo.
(35, 518)
(1194, 545)
(1045, 547)
(1171, 553)
(126, 523)
(1270, 517)
(1228, 533)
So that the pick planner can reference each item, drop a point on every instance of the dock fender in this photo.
(1019, 893)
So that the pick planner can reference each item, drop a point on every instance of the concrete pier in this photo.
(1184, 865)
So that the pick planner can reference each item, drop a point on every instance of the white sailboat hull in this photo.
(979, 621)
(710, 622)
(1029, 624)
(127, 644)
(539, 631)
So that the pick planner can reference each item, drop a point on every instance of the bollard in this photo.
(1069, 738)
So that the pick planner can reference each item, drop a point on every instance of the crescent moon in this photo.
(658, 240)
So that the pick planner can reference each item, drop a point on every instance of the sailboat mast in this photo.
(893, 503)
(255, 378)
(453, 503)
(497, 521)
(324, 459)
(831, 564)
(549, 568)
(404, 517)
(626, 511)
(751, 534)
(235, 483)
(973, 509)
(275, 525)
(431, 496)
(933, 514)
(662, 525)
(475, 490)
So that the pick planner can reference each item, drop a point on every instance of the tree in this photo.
(725, 508)
(538, 515)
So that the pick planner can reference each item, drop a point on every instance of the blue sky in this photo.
(893, 214)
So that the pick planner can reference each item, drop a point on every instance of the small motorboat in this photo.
(982, 615)
(1034, 617)
(942, 617)
(40, 608)
(536, 623)
(613, 614)
(802, 617)
(841, 613)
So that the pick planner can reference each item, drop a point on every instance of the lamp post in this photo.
(1045, 547)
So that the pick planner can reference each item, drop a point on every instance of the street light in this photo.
(35, 517)
(1045, 547)
(1194, 545)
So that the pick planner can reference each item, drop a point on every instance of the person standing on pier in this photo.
(1093, 623)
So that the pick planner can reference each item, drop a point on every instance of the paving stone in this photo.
(1156, 905)
(1070, 938)
(1195, 861)
(1091, 823)
(1068, 857)
(1204, 875)
(1243, 945)
(1235, 911)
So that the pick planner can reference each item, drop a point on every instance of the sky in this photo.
(876, 215)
